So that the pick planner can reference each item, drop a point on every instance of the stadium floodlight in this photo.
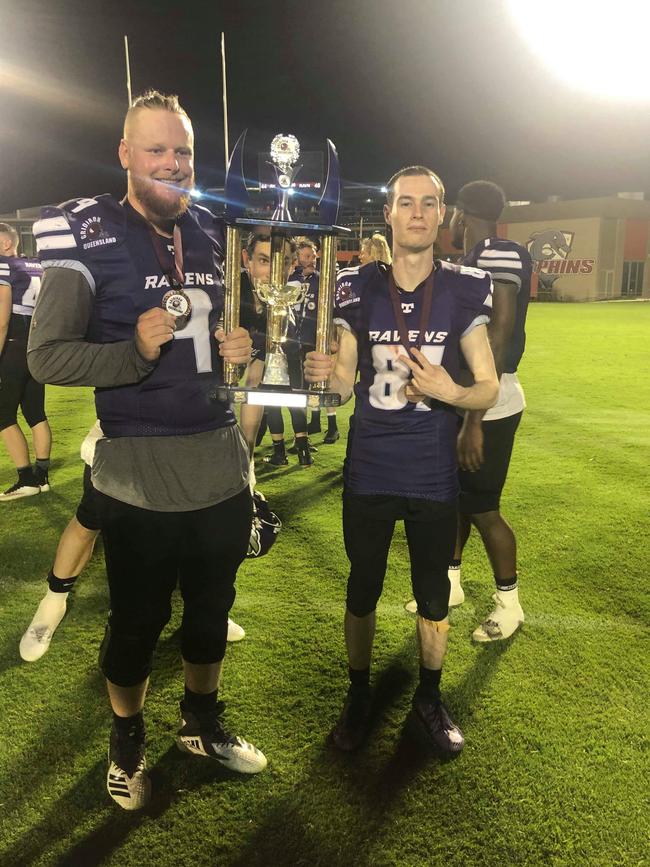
(608, 56)
(196, 193)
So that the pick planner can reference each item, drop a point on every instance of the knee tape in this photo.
(440, 626)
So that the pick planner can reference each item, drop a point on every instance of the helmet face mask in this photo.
(265, 527)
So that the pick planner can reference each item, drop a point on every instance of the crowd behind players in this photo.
(429, 349)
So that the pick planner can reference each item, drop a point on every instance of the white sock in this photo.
(509, 597)
(51, 609)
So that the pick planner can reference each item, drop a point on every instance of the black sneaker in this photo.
(304, 454)
(127, 781)
(331, 437)
(204, 735)
(20, 489)
(277, 459)
(42, 479)
(439, 726)
(294, 448)
(350, 731)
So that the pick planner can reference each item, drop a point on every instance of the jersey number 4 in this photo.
(392, 376)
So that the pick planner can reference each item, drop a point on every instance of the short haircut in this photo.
(303, 242)
(154, 100)
(7, 229)
(378, 249)
(256, 238)
(482, 199)
(413, 172)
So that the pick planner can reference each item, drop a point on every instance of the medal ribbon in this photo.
(427, 298)
(175, 275)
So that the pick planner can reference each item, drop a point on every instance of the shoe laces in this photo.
(212, 720)
(127, 749)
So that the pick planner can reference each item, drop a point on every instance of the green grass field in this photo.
(555, 770)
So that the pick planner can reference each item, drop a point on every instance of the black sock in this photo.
(42, 464)
(302, 444)
(454, 564)
(26, 475)
(278, 447)
(199, 702)
(429, 686)
(129, 725)
(331, 424)
(60, 585)
(359, 677)
(506, 583)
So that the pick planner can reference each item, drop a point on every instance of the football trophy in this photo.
(277, 294)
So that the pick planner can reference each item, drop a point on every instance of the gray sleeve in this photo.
(58, 352)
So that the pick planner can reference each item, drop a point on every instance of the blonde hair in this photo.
(153, 99)
(377, 248)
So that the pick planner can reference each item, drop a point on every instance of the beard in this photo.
(160, 205)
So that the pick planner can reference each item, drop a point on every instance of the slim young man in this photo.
(403, 329)
(486, 439)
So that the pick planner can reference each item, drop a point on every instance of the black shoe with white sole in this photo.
(204, 735)
(434, 717)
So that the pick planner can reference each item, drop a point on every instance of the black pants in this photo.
(368, 526)
(18, 388)
(147, 553)
(298, 416)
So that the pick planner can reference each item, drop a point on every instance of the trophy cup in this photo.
(277, 294)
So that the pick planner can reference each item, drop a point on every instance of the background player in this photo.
(401, 462)
(486, 438)
(171, 473)
(306, 312)
(20, 281)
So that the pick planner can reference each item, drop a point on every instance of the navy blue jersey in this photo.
(396, 446)
(23, 276)
(111, 245)
(304, 330)
(507, 262)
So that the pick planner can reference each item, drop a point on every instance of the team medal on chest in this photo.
(176, 301)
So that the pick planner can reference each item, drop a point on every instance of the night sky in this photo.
(447, 83)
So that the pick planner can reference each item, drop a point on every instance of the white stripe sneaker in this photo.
(204, 735)
(126, 753)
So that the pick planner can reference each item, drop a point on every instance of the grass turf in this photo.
(555, 769)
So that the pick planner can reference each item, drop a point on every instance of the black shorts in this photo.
(368, 526)
(87, 510)
(481, 491)
(18, 388)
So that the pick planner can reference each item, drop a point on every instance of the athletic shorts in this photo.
(87, 510)
(481, 491)
(18, 388)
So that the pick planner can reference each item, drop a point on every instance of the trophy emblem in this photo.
(277, 294)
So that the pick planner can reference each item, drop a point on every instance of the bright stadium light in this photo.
(196, 193)
(592, 45)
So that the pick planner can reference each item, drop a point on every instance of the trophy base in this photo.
(276, 397)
